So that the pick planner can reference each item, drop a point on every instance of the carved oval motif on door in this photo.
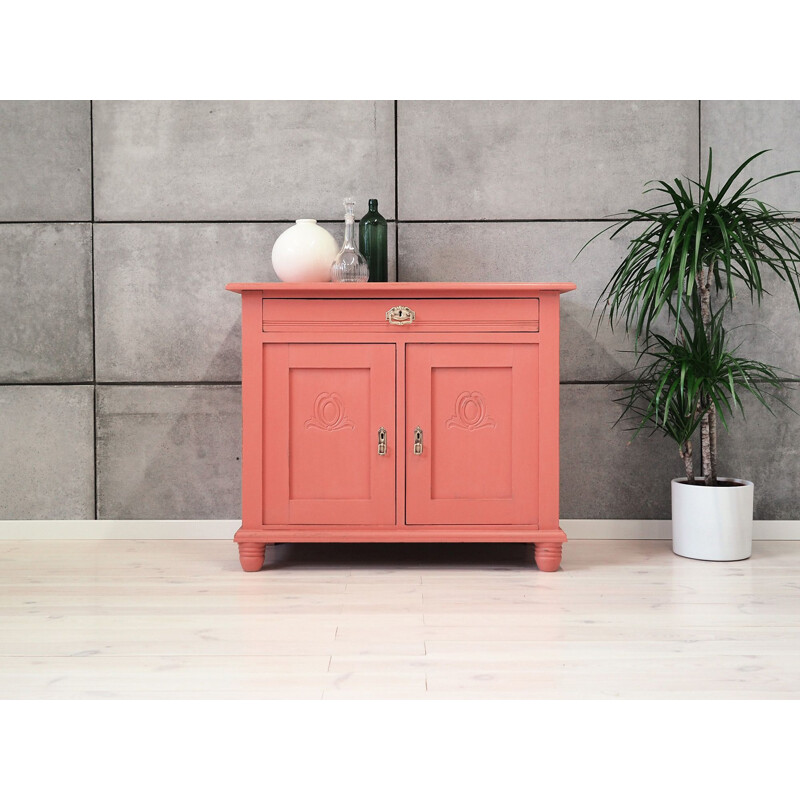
(470, 413)
(329, 414)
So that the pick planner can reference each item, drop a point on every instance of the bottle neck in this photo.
(349, 240)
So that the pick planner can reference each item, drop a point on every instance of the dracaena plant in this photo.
(695, 251)
(679, 383)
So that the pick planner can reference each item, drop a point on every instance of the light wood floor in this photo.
(179, 619)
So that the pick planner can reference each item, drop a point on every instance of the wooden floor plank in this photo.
(179, 619)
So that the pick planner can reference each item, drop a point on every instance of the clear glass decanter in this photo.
(349, 266)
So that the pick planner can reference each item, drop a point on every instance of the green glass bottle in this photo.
(373, 243)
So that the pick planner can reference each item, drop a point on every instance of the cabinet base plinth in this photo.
(547, 555)
(252, 542)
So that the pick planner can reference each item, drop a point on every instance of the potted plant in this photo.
(689, 258)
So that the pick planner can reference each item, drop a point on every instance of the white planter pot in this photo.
(713, 523)
(304, 252)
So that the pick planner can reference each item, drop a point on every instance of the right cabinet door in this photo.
(472, 434)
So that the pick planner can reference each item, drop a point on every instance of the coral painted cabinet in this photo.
(400, 412)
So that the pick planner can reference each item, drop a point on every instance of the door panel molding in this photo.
(325, 406)
(477, 407)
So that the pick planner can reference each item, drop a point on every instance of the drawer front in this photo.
(429, 314)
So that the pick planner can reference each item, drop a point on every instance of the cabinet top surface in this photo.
(400, 289)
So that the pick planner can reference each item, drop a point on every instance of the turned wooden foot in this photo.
(547, 555)
(251, 555)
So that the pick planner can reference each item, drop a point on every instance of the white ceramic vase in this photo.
(712, 523)
(304, 253)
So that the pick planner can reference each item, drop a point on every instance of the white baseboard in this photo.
(763, 529)
(119, 529)
(786, 530)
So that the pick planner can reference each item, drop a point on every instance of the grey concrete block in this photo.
(546, 251)
(769, 332)
(46, 303)
(162, 310)
(46, 452)
(737, 129)
(530, 251)
(45, 160)
(765, 449)
(236, 160)
(605, 474)
(538, 159)
(169, 452)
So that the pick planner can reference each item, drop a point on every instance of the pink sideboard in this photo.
(400, 412)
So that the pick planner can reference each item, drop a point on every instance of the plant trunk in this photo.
(708, 427)
(688, 461)
(712, 436)
(707, 453)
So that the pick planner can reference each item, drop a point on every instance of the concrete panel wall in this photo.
(169, 452)
(119, 348)
(46, 302)
(240, 161)
(45, 161)
(160, 313)
(537, 160)
(46, 452)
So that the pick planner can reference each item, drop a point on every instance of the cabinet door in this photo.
(324, 405)
(476, 407)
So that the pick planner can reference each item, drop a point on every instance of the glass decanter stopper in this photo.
(349, 266)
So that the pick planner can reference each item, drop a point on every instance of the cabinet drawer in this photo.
(430, 314)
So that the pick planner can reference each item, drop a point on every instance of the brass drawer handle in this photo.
(381, 441)
(417, 441)
(400, 315)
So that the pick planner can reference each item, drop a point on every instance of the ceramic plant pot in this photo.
(304, 253)
(712, 523)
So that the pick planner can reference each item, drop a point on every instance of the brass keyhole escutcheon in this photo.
(417, 441)
(400, 315)
(381, 441)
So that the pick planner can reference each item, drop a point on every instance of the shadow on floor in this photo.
(471, 556)
(396, 556)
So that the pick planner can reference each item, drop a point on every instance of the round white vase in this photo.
(304, 253)
(712, 523)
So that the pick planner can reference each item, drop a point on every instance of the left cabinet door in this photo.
(325, 408)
